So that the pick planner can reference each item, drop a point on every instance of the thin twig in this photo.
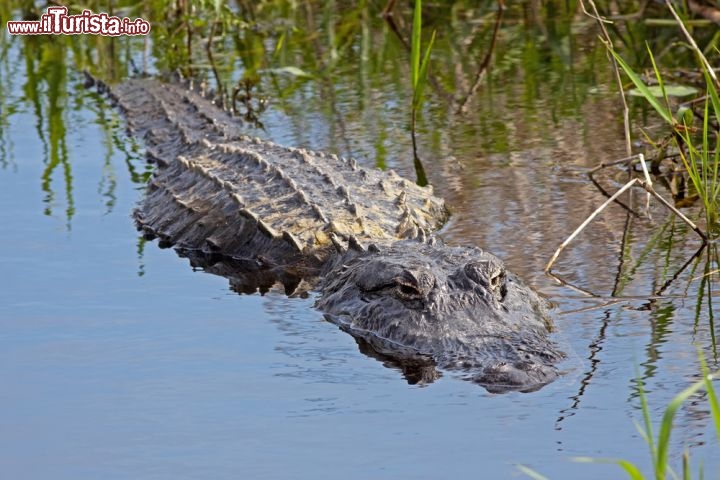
(608, 43)
(618, 202)
(704, 275)
(609, 303)
(587, 221)
(565, 283)
(691, 40)
(615, 162)
(646, 184)
(630, 161)
(641, 157)
(690, 223)
(483, 68)
(388, 10)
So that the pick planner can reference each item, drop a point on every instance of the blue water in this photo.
(119, 361)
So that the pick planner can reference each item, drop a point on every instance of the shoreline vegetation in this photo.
(692, 147)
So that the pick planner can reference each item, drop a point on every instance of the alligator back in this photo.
(218, 191)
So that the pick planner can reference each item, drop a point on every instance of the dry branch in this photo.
(646, 184)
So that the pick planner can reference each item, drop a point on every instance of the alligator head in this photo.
(456, 306)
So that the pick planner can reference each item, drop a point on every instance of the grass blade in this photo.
(715, 102)
(646, 93)
(661, 84)
(422, 78)
(633, 472)
(712, 397)
(648, 433)
(663, 442)
(415, 43)
(630, 469)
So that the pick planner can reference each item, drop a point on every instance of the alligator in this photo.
(364, 240)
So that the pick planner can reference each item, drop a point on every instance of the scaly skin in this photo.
(456, 305)
(259, 213)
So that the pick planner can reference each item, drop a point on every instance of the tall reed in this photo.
(418, 67)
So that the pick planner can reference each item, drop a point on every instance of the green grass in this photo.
(699, 147)
(702, 162)
(418, 68)
(660, 445)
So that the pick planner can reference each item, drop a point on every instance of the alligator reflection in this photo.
(246, 279)
(499, 363)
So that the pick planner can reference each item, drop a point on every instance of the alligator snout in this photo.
(524, 376)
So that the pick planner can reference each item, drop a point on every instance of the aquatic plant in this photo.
(660, 446)
(698, 149)
(418, 69)
(700, 154)
(701, 158)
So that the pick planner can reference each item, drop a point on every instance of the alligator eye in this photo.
(406, 291)
(487, 273)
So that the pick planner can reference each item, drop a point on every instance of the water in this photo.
(118, 361)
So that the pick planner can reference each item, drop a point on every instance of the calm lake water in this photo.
(117, 360)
